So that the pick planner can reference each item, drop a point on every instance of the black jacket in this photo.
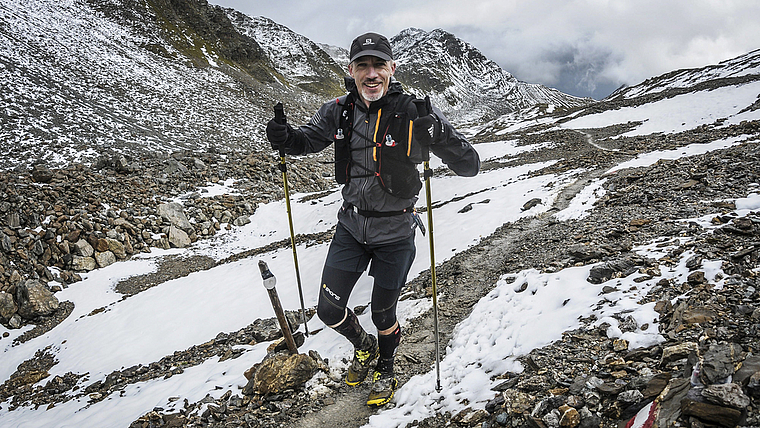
(365, 193)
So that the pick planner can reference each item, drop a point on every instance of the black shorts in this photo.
(390, 262)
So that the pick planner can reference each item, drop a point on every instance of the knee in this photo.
(384, 320)
(329, 314)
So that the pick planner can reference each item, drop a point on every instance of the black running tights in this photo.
(335, 289)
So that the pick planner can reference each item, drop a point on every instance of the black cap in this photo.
(371, 44)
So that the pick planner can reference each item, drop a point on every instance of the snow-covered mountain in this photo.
(300, 61)
(729, 72)
(462, 81)
(83, 77)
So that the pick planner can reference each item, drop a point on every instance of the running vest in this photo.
(390, 142)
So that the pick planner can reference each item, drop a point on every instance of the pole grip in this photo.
(279, 117)
(424, 108)
(279, 114)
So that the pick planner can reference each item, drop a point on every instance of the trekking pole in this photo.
(269, 282)
(279, 117)
(423, 111)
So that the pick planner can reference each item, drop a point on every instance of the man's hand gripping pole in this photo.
(279, 117)
(424, 108)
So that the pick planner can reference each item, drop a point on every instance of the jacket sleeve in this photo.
(318, 133)
(454, 149)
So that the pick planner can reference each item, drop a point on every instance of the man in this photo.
(376, 159)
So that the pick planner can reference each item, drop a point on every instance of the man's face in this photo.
(372, 76)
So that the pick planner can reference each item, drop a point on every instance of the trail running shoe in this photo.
(384, 386)
(361, 363)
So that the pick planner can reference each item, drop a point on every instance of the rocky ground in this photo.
(585, 379)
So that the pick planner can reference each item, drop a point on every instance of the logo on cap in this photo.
(368, 42)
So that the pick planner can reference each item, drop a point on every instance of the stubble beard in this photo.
(371, 97)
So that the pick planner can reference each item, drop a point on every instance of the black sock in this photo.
(388, 345)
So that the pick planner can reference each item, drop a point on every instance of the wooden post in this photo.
(269, 283)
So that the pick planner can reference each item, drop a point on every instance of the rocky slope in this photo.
(161, 108)
(300, 61)
(63, 221)
(126, 77)
(586, 379)
(706, 373)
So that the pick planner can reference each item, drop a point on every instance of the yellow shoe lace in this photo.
(362, 356)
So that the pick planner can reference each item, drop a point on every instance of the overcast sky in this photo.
(581, 47)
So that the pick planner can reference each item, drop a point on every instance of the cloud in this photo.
(582, 47)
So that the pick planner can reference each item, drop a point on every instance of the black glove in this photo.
(427, 129)
(277, 134)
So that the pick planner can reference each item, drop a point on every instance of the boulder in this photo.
(13, 220)
(718, 363)
(117, 248)
(100, 245)
(34, 299)
(105, 258)
(122, 165)
(530, 204)
(586, 252)
(79, 263)
(750, 366)
(281, 372)
(174, 214)
(724, 416)
(570, 417)
(178, 238)
(42, 174)
(7, 306)
(5, 243)
(83, 248)
(753, 384)
(614, 269)
(727, 394)
(677, 352)
(242, 220)
(126, 225)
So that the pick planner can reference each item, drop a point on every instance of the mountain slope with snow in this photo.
(717, 95)
(100, 87)
(295, 57)
(597, 231)
(732, 71)
(463, 82)
(125, 76)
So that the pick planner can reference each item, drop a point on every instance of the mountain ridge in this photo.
(125, 76)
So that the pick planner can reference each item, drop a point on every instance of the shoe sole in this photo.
(354, 383)
(377, 402)
(373, 358)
